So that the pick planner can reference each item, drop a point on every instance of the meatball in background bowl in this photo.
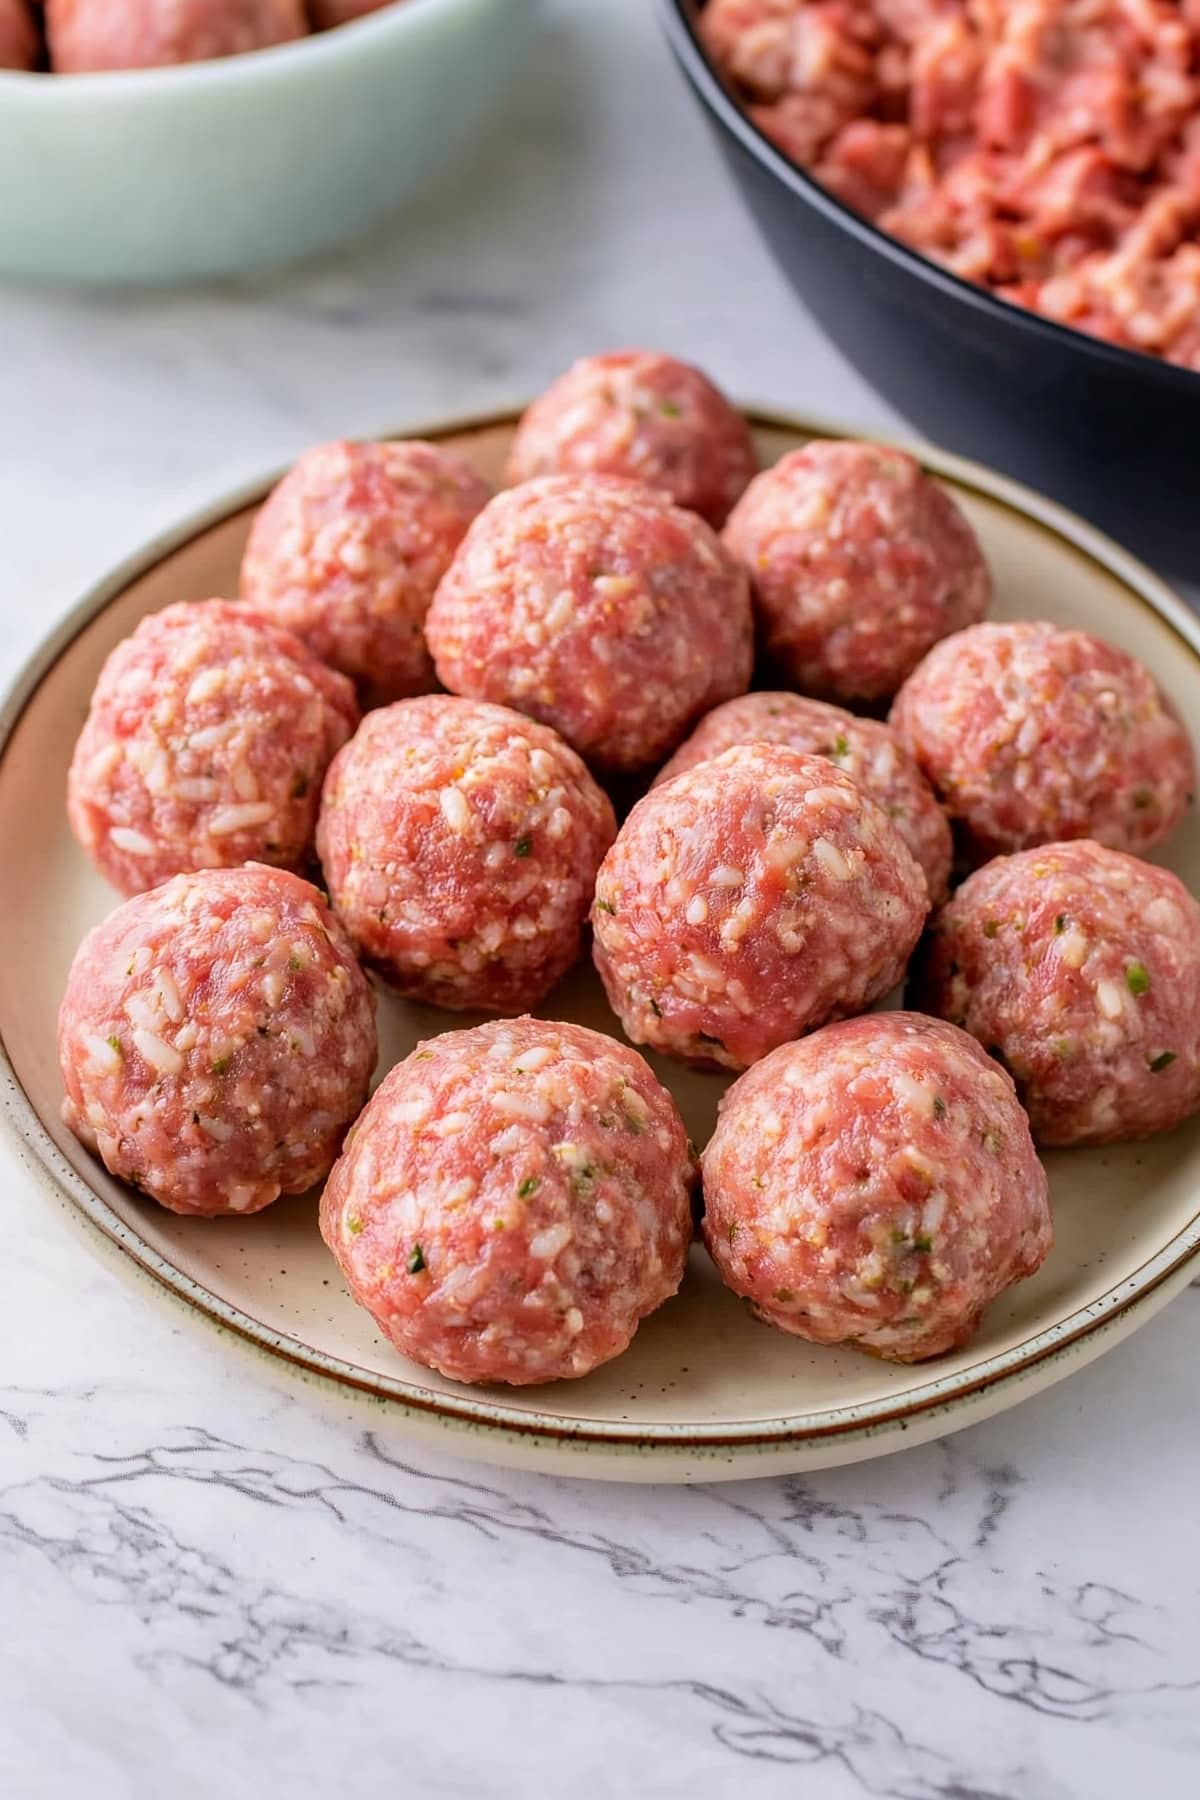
(222, 167)
(1108, 431)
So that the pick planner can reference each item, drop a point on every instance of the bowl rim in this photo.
(47, 88)
(679, 20)
(984, 1386)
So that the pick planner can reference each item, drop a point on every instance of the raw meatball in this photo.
(347, 552)
(1080, 967)
(875, 1184)
(1031, 734)
(862, 748)
(513, 1202)
(19, 46)
(639, 414)
(859, 563)
(326, 13)
(216, 1038)
(87, 35)
(599, 607)
(207, 741)
(750, 899)
(460, 843)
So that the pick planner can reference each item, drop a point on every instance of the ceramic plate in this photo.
(704, 1392)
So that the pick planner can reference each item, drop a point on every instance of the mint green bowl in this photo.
(220, 168)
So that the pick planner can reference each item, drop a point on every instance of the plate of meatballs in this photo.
(648, 940)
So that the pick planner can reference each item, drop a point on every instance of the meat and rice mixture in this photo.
(864, 749)
(1080, 967)
(19, 47)
(1031, 733)
(348, 549)
(858, 563)
(206, 744)
(514, 1200)
(750, 899)
(460, 842)
(644, 415)
(1047, 149)
(216, 1038)
(594, 604)
(875, 1184)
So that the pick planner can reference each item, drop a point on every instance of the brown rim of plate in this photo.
(476, 1409)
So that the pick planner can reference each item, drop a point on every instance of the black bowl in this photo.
(1112, 433)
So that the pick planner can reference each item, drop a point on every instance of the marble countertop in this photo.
(211, 1581)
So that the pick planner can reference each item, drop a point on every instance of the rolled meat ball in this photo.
(875, 1184)
(349, 548)
(1079, 966)
(327, 13)
(750, 899)
(859, 562)
(513, 1202)
(645, 416)
(207, 741)
(864, 749)
(1032, 734)
(460, 843)
(216, 1038)
(19, 46)
(598, 607)
(91, 35)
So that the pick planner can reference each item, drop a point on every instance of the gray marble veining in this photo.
(211, 1582)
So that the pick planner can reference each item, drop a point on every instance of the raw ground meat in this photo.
(875, 1184)
(327, 13)
(750, 899)
(595, 605)
(460, 843)
(859, 562)
(92, 35)
(514, 1200)
(1031, 734)
(208, 738)
(1049, 150)
(640, 414)
(1080, 966)
(216, 1038)
(19, 46)
(864, 749)
(347, 552)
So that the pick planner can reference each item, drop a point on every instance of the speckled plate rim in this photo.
(486, 1427)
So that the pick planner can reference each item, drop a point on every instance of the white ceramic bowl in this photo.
(704, 1392)
(218, 168)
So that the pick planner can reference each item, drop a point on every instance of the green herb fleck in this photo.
(731, 1230)
(841, 745)
(1162, 1061)
(668, 409)
(605, 906)
(634, 1125)
(784, 1294)
(523, 846)
(354, 1226)
(530, 1185)
(992, 1140)
(1060, 924)
(295, 964)
(300, 785)
(1136, 979)
(416, 1260)
(922, 1245)
(991, 928)
(222, 1065)
(422, 1056)
(114, 1043)
(939, 1107)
